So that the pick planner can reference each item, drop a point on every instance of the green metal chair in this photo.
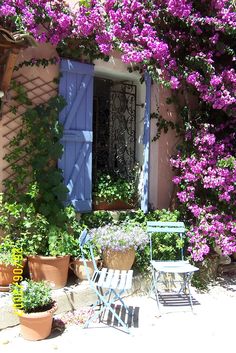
(162, 269)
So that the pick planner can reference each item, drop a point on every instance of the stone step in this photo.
(74, 296)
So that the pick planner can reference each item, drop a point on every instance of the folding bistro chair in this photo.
(109, 285)
(161, 270)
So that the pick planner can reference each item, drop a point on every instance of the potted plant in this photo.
(113, 192)
(37, 308)
(77, 264)
(47, 246)
(12, 262)
(51, 261)
(118, 243)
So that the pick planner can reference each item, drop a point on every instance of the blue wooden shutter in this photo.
(76, 86)
(146, 143)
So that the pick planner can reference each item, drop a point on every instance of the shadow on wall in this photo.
(167, 148)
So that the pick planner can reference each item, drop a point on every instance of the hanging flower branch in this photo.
(38, 62)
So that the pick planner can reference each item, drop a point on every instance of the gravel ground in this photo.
(210, 328)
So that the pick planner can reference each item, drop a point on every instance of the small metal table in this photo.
(182, 268)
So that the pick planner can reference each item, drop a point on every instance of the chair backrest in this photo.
(165, 227)
(85, 240)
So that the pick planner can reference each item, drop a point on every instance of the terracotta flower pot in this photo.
(53, 269)
(6, 275)
(37, 326)
(120, 260)
(77, 266)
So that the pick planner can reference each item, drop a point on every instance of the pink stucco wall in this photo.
(161, 186)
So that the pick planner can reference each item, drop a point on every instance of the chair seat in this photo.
(173, 266)
(113, 279)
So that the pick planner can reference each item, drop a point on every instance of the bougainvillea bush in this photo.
(184, 44)
(206, 180)
(189, 41)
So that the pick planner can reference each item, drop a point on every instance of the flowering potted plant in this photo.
(34, 299)
(118, 243)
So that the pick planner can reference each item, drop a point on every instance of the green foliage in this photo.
(77, 253)
(95, 219)
(72, 223)
(60, 242)
(165, 246)
(49, 240)
(35, 296)
(69, 48)
(7, 246)
(24, 226)
(21, 94)
(31, 231)
(227, 162)
(163, 125)
(137, 216)
(111, 187)
(37, 146)
(37, 62)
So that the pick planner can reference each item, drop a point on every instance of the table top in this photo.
(173, 266)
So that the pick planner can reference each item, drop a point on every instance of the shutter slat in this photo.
(77, 101)
(78, 166)
(77, 136)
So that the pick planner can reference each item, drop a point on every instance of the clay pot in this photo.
(118, 260)
(53, 269)
(37, 326)
(77, 266)
(6, 275)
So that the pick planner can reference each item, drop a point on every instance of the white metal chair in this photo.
(109, 285)
(170, 269)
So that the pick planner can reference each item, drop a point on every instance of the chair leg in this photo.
(189, 290)
(155, 277)
(106, 305)
(117, 296)
(186, 287)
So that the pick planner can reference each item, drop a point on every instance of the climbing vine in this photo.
(34, 153)
(37, 62)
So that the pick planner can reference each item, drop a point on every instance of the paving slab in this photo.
(76, 295)
(209, 329)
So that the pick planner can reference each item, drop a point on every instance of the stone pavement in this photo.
(210, 328)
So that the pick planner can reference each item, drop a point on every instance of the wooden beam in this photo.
(9, 67)
(4, 54)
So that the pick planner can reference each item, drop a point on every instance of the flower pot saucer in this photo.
(4, 288)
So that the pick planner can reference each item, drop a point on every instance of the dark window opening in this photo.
(114, 127)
